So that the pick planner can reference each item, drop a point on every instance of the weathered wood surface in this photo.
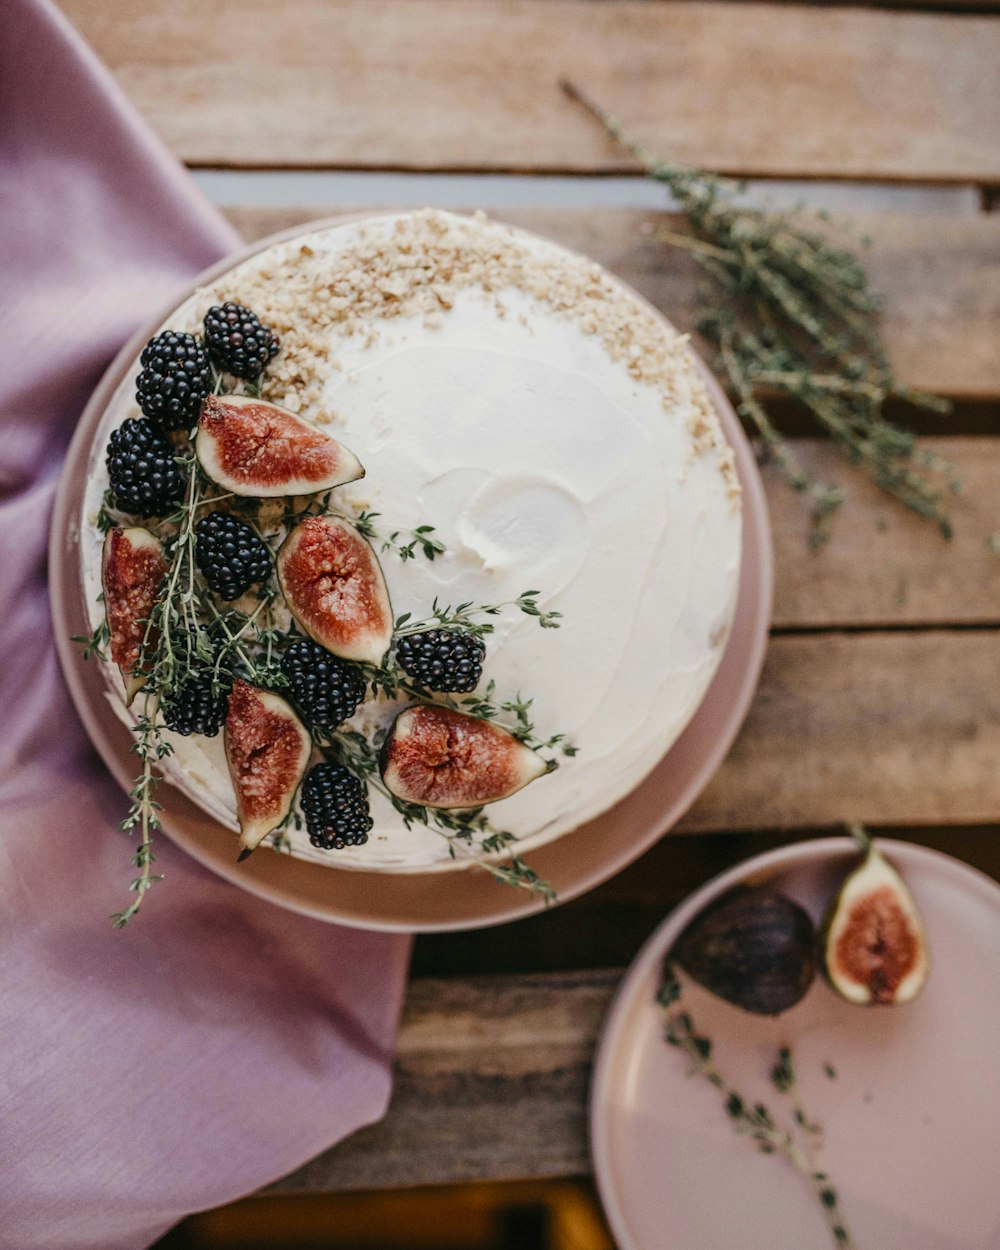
(939, 276)
(893, 728)
(490, 1084)
(465, 84)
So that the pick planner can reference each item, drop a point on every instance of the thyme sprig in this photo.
(422, 537)
(463, 616)
(753, 1119)
(788, 312)
(143, 814)
(458, 828)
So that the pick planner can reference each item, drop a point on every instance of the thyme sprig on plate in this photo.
(789, 312)
(460, 829)
(753, 1119)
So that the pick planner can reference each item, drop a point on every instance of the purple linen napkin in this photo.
(218, 1041)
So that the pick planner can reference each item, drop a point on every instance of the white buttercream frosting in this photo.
(548, 457)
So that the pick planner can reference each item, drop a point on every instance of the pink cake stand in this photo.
(426, 902)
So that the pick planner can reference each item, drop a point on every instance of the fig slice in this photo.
(254, 448)
(132, 568)
(438, 757)
(874, 949)
(334, 587)
(753, 947)
(267, 749)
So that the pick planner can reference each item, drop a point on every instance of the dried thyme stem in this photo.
(753, 1120)
(789, 312)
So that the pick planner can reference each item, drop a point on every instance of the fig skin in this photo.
(437, 757)
(256, 449)
(132, 568)
(874, 949)
(753, 947)
(268, 750)
(334, 587)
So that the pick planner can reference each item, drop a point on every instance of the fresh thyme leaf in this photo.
(789, 312)
(754, 1120)
(94, 644)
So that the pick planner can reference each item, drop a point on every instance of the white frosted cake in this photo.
(557, 435)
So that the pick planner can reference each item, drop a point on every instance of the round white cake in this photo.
(557, 434)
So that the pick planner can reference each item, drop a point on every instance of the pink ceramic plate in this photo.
(428, 902)
(911, 1119)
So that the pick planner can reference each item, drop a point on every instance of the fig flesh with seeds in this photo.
(437, 757)
(334, 587)
(256, 449)
(753, 947)
(267, 749)
(132, 570)
(874, 948)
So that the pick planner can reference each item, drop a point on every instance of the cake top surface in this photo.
(557, 434)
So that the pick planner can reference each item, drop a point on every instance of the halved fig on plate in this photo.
(334, 587)
(268, 749)
(132, 569)
(874, 949)
(257, 449)
(438, 757)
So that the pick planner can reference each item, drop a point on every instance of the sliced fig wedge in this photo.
(874, 949)
(132, 569)
(437, 757)
(257, 449)
(267, 748)
(334, 587)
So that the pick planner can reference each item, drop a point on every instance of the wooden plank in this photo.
(462, 84)
(889, 728)
(490, 1084)
(939, 275)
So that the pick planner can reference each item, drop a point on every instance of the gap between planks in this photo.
(751, 89)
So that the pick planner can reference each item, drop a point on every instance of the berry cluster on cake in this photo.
(416, 541)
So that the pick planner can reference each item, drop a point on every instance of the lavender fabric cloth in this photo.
(218, 1041)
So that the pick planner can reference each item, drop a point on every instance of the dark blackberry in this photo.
(194, 709)
(327, 690)
(238, 342)
(230, 554)
(443, 659)
(175, 378)
(145, 479)
(335, 805)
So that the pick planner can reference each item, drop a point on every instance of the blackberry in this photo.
(194, 709)
(145, 479)
(238, 342)
(175, 378)
(326, 689)
(335, 805)
(443, 659)
(230, 554)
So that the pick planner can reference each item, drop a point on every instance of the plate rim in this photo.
(757, 868)
(515, 905)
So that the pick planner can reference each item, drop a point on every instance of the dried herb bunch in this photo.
(753, 1120)
(790, 313)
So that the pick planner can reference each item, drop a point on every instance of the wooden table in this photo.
(880, 700)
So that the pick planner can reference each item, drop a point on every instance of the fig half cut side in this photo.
(874, 948)
(257, 449)
(132, 569)
(438, 757)
(267, 749)
(334, 587)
